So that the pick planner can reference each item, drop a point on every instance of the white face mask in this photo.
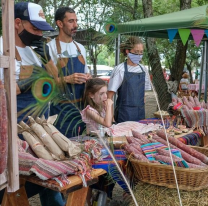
(135, 58)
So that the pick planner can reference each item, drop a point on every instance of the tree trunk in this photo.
(135, 8)
(190, 74)
(180, 56)
(154, 59)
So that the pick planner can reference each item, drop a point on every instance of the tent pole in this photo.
(201, 71)
(117, 61)
(206, 72)
(117, 44)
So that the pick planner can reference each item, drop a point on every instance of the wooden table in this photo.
(76, 192)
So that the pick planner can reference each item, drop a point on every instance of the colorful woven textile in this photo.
(155, 121)
(125, 128)
(195, 118)
(191, 139)
(107, 162)
(150, 149)
(167, 160)
(47, 169)
(175, 152)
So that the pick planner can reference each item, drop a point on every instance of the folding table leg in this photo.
(18, 198)
(204, 141)
(78, 197)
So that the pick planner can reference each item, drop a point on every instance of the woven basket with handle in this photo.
(190, 179)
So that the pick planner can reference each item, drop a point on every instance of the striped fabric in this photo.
(191, 139)
(167, 161)
(196, 118)
(107, 162)
(46, 169)
(150, 149)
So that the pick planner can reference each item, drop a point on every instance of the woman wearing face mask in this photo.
(129, 80)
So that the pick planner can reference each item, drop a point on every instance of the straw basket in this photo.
(192, 179)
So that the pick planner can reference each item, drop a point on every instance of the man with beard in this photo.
(29, 23)
(70, 58)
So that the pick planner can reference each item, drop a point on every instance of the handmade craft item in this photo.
(63, 142)
(27, 128)
(55, 150)
(36, 146)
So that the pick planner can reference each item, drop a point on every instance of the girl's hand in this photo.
(108, 103)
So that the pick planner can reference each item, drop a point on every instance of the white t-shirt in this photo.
(67, 50)
(28, 57)
(117, 76)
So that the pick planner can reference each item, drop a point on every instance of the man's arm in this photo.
(110, 94)
(17, 90)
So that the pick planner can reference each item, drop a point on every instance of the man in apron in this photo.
(70, 58)
(29, 24)
(129, 79)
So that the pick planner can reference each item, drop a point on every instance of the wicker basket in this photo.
(157, 174)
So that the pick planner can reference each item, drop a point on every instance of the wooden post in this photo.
(78, 197)
(204, 141)
(10, 86)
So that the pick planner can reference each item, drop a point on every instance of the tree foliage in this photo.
(95, 13)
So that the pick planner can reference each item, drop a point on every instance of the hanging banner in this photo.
(184, 34)
(197, 35)
(171, 34)
(206, 32)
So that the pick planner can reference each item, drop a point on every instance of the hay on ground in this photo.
(149, 195)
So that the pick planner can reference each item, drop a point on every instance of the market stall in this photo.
(15, 158)
(189, 24)
(162, 157)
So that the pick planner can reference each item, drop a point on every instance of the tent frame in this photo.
(157, 26)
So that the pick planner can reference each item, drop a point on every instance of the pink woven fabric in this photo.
(47, 169)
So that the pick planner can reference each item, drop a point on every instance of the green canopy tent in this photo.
(158, 26)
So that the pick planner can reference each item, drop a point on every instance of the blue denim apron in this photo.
(48, 197)
(130, 101)
(69, 120)
(25, 99)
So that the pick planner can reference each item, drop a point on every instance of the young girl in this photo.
(98, 109)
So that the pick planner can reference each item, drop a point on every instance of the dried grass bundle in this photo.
(148, 195)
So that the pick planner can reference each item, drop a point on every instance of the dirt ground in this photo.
(150, 108)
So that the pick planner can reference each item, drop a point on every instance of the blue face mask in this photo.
(135, 58)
